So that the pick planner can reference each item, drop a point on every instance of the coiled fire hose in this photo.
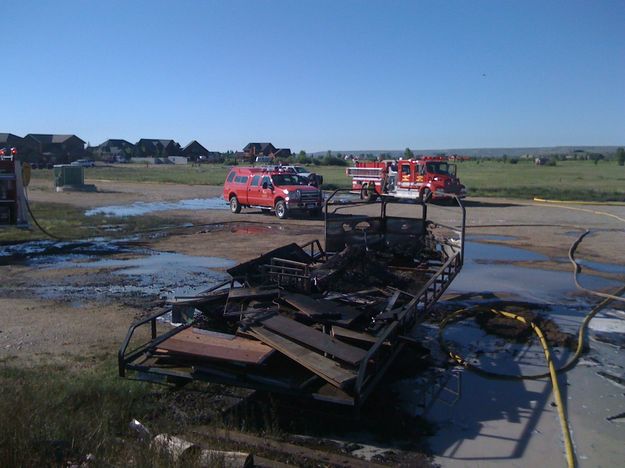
(552, 373)
(566, 433)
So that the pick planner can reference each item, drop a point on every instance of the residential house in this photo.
(282, 153)
(9, 140)
(194, 151)
(114, 150)
(155, 148)
(54, 148)
(253, 150)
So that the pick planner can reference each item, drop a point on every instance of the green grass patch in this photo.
(205, 174)
(571, 180)
(567, 180)
(51, 414)
(69, 222)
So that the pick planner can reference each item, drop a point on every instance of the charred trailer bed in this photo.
(311, 321)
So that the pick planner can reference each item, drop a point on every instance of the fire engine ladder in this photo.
(365, 172)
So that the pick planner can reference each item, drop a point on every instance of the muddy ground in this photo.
(72, 323)
(52, 313)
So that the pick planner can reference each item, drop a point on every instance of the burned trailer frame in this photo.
(283, 324)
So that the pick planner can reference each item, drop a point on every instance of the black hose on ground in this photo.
(32, 216)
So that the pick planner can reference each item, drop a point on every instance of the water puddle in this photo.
(495, 268)
(169, 274)
(494, 253)
(47, 252)
(139, 273)
(481, 419)
(142, 208)
(602, 267)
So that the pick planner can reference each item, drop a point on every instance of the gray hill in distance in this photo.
(485, 152)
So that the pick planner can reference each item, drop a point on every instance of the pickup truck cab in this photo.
(313, 179)
(270, 189)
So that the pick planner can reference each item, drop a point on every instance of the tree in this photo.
(408, 153)
(620, 156)
(595, 157)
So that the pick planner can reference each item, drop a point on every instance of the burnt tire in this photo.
(281, 210)
(235, 206)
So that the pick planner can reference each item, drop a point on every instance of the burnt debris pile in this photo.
(304, 320)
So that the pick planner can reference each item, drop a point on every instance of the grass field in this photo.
(570, 180)
(70, 222)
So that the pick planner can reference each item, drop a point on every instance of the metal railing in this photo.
(406, 318)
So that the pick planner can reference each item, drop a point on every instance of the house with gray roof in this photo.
(55, 148)
(114, 150)
(194, 151)
(156, 148)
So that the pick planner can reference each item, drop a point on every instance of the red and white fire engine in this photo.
(428, 176)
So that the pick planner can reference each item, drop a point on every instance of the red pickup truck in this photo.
(271, 189)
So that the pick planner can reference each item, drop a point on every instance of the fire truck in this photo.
(13, 178)
(429, 177)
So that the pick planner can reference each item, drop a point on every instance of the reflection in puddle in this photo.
(146, 272)
(487, 253)
(172, 273)
(46, 252)
(603, 267)
(141, 208)
(489, 267)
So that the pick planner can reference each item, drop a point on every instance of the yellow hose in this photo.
(564, 423)
(602, 213)
(552, 373)
(574, 202)
(568, 444)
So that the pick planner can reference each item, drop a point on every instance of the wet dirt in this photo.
(519, 332)
(142, 208)
(103, 270)
(94, 311)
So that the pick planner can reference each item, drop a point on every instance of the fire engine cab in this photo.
(427, 177)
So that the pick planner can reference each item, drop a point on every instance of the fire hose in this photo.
(552, 373)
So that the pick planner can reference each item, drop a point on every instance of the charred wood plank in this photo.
(323, 308)
(327, 369)
(353, 335)
(315, 339)
(252, 293)
(219, 346)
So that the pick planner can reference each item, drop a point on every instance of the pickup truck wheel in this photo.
(281, 209)
(235, 207)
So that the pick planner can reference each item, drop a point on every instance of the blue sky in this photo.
(317, 75)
